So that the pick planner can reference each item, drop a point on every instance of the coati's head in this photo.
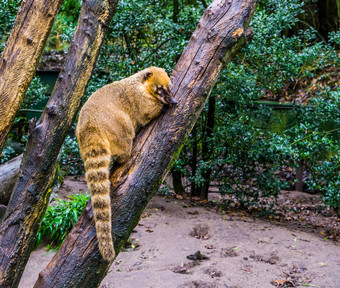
(157, 83)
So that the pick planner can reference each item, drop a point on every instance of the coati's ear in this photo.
(147, 76)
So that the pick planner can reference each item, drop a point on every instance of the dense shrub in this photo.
(8, 12)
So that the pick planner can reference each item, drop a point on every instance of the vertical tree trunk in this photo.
(219, 35)
(299, 177)
(193, 164)
(206, 148)
(177, 182)
(204, 3)
(176, 11)
(31, 193)
(329, 11)
(21, 55)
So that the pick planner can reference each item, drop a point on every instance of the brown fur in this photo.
(105, 131)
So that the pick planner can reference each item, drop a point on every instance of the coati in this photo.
(106, 128)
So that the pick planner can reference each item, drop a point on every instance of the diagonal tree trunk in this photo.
(21, 55)
(31, 193)
(219, 35)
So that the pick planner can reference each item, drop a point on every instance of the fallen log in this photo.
(8, 176)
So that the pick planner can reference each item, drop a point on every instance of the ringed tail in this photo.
(97, 160)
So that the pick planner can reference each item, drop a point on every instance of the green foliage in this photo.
(325, 177)
(7, 154)
(59, 219)
(334, 37)
(64, 26)
(274, 56)
(246, 155)
(8, 12)
(317, 145)
(35, 95)
(143, 34)
(164, 190)
(17, 136)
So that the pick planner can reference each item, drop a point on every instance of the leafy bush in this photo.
(148, 38)
(35, 94)
(7, 153)
(325, 177)
(8, 12)
(64, 26)
(60, 218)
(317, 145)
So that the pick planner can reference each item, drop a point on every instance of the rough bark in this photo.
(219, 35)
(21, 55)
(8, 176)
(31, 193)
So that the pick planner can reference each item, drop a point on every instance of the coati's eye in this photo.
(159, 89)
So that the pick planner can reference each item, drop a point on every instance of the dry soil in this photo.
(235, 251)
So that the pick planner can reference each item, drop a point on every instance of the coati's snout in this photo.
(157, 82)
(166, 96)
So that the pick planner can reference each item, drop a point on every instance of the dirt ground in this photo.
(235, 251)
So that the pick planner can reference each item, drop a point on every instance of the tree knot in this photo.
(52, 110)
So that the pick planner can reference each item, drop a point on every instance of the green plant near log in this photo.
(59, 219)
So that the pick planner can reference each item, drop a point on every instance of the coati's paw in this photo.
(123, 158)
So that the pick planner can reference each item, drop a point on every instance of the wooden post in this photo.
(31, 193)
(220, 34)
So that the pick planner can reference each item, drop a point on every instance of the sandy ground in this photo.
(241, 252)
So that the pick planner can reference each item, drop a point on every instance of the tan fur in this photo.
(105, 131)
